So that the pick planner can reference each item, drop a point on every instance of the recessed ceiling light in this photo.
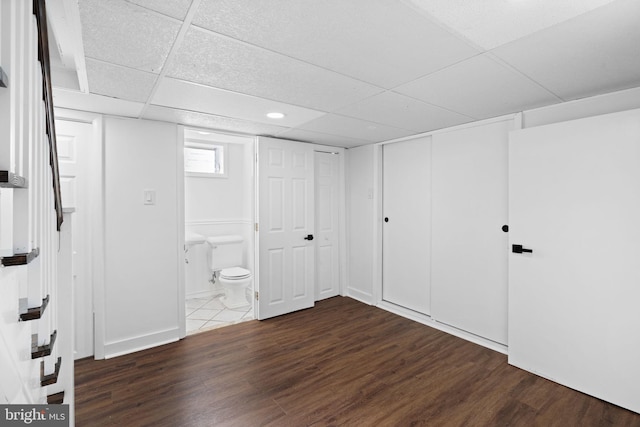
(275, 115)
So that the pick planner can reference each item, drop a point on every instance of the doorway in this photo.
(218, 201)
(80, 174)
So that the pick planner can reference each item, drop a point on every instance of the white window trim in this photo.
(209, 145)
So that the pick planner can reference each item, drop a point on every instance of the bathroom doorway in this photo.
(219, 194)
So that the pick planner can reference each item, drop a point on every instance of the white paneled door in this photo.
(469, 246)
(327, 182)
(74, 139)
(286, 227)
(574, 279)
(406, 238)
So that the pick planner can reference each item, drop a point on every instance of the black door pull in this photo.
(518, 249)
(309, 237)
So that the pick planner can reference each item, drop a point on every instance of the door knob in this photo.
(309, 237)
(386, 219)
(518, 249)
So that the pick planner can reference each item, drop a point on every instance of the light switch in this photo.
(149, 197)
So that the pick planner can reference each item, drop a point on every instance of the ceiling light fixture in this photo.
(275, 115)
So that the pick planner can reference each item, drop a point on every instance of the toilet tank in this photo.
(226, 251)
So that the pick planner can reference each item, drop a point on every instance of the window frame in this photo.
(221, 149)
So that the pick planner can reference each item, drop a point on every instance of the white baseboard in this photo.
(360, 296)
(428, 321)
(131, 345)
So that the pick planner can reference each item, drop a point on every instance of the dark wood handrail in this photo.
(40, 12)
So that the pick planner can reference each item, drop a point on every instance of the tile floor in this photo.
(209, 313)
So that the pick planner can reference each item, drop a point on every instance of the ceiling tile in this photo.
(218, 61)
(74, 100)
(125, 34)
(175, 8)
(321, 138)
(119, 82)
(195, 97)
(491, 23)
(479, 87)
(381, 41)
(595, 53)
(354, 128)
(400, 111)
(210, 121)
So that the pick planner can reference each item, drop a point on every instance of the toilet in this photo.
(226, 260)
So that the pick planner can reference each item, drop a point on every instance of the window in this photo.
(204, 159)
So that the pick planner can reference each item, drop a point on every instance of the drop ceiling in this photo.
(344, 73)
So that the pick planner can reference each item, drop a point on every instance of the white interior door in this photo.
(406, 238)
(469, 248)
(286, 224)
(73, 139)
(327, 181)
(574, 201)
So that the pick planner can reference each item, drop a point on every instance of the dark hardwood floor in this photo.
(342, 363)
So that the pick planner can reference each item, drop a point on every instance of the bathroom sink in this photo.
(191, 239)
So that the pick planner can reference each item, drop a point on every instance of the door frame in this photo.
(341, 203)
(343, 269)
(96, 225)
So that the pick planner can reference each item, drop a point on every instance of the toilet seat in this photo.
(235, 273)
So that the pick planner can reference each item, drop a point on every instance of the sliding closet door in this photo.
(574, 201)
(407, 224)
(469, 247)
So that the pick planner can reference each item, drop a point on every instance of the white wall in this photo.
(207, 198)
(141, 241)
(220, 206)
(360, 222)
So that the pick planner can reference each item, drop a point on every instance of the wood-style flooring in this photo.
(342, 363)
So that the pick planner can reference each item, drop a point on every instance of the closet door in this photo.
(327, 206)
(469, 247)
(407, 224)
(574, 202)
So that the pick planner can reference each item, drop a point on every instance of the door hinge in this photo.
(256, 227)
(257, 296)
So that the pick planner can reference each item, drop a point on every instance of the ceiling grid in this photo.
(347, 73)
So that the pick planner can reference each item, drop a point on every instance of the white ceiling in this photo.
(344, 73)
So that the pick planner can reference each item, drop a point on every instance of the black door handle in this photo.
(309, 237)
(518, 249)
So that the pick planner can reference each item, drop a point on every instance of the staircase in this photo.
(36, 332)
